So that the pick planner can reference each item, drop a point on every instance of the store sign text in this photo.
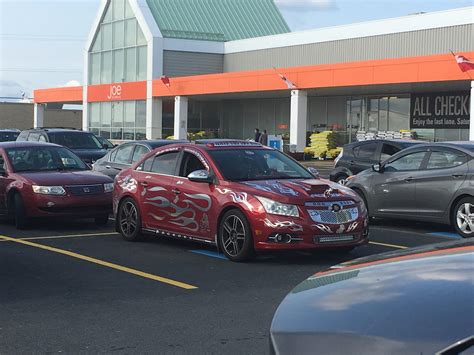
(443, 110)
(115, 92)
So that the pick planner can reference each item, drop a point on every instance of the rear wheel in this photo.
(129, 220)
(341, 179)
(21, 220)
(235, 237)
(463, 217)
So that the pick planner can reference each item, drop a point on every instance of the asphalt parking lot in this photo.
(70, 287)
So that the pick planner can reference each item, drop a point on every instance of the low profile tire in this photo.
(129, 220)
(20, 218)
(235, 237)
(463, 217)
(341, 179)
(102, 220)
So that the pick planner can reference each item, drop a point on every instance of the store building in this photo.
(156, 68)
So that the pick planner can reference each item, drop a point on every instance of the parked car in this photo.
(415, 301)
(126, 154)
(47, 180)
(9, 135)
(358, 156)
(105, 143)
(84, 144)
(428, 182)
(239, 195)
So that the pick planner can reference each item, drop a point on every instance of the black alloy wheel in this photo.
(129, 220)
(235, 237)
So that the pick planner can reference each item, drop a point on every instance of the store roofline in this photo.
(433, 68)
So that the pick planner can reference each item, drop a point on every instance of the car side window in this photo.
(42, 138)
(407, 162)
(33, 137)
(387, 151)
(446, 159)
(365, 151)
(23, 136)
(123, 155)
(165, 163)
(2, 163)
(140, 151)
(189, 164)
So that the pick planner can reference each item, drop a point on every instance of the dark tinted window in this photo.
(2, 163)
(387, 151)
(446, 159)
(123, 155)
(140, 151)
(23, 136)
(257, 164)
(407, 162)
(189, 164)
(75, 140)
(165, 163)
(365, 151)
(44, 159)
(8, 136)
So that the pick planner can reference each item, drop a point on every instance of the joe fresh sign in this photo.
(440, 110)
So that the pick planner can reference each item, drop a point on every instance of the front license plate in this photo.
(321, 239)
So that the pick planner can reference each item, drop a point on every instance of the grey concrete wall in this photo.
(176, 63)
(20, 116)
(405, 44)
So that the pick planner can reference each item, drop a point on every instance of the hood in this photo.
(90, 155)
(66, 177)
(409, 302)
(298, 191)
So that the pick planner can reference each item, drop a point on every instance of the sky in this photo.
(42, 41)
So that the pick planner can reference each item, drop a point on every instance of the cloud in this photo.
(71, 83)
(307, 5)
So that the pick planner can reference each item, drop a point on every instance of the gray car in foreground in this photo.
(428, 182)
(415, 301)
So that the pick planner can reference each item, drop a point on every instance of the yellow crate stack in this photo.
(323, 145)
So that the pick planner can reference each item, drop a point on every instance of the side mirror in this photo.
(201, 176)
(377, 168)
(314, 172)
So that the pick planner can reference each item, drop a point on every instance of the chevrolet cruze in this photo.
(239, 195)
(47, 180)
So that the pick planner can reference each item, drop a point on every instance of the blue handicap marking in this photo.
(446, 234)
(212, 254)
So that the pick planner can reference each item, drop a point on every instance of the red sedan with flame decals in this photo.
(239, 195)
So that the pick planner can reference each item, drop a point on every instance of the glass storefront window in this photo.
(399, 113)
(129, 116)
(128, 10)
(119, 34)
(140, 114)
(383, 114)
(108, 13)
(118, 66)
(130, 32)
(142, 53)
(372, 115)
(130, 64)
(106, 114)
(106, 37)
(94, 114)
(117, 114)
(118, 9)
(106, 67)
(94, 70)
(140, 36)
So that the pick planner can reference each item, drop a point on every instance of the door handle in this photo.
(408, 179)
(457, 175)
(108, 167)
(176, 191)
(144, 184)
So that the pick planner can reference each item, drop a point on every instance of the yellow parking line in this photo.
(68, 236)
(389, 245)
(101, 262)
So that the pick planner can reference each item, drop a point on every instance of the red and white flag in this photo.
(291, 85)
(165, 80)
(464, 63)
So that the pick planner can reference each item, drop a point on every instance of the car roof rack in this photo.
(228, 143)
(46, 128)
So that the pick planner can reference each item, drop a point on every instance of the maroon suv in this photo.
(47, 180)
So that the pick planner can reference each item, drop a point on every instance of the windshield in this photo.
(103, 141)
(44, 159)
(8, 136)
(257, 164)
(75, 140)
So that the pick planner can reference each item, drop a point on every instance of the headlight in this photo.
(273, 207)
(49, 190)
(109, 187)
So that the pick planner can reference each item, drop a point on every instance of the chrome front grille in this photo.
(331, 217)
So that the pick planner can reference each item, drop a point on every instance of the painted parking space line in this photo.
(389, 245)
(446, 235)
(103, 263)
(212, 254)
(67, 236)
